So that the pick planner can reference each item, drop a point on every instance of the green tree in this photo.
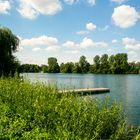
(84, 65)
(62, 68)
(66, 68)
(53, 66)
(138, 67)
(92, 69)
(121, 64)
(112, 64)
(44, 68)
(34, 68)
(104, 66)
(29, 68)
(134, 68)
(76, 68)
(8, 45)
(96, 61)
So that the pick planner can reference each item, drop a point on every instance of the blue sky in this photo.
(67, 29)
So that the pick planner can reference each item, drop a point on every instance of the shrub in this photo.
(38, 111)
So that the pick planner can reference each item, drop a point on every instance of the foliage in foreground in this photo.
(37, 111)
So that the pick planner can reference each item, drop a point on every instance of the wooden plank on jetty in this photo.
(86, 91)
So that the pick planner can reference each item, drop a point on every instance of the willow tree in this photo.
(8, 45)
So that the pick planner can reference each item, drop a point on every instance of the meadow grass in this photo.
(38, 111)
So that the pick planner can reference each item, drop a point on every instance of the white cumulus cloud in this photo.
(70, 1)
(70, 44)
(53, 49)
(89, 43)
(119, 1)
(91, 2)
(39, 41)
(85, 43)
(32, 8)
(75, 52)
(90, 26)
(36, 49)
(131, 44)
(125, 16)
(40, 44)
(4, 6)
(114, 41)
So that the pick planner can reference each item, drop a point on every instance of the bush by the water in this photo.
(37, 111)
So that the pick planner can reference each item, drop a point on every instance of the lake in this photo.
(124, 88)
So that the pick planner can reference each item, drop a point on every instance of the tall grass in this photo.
(37, 111)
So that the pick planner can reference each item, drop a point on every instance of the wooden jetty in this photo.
(86, 91)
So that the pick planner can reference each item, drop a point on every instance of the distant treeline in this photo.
(114, 64)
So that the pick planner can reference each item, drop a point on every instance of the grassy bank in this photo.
(37, 111)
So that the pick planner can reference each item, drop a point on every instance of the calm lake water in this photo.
(124, 88)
